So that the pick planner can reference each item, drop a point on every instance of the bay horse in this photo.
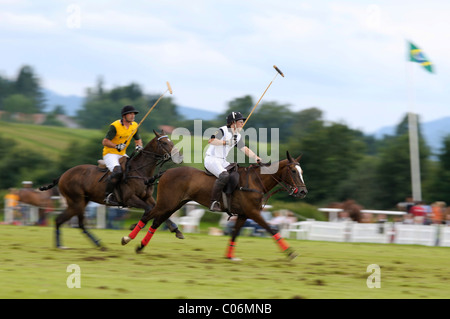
(177, 186)
(84, 183)
(42, 200)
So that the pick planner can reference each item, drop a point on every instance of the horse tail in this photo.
(55, 182)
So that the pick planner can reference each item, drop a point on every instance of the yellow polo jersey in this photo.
(122, 134)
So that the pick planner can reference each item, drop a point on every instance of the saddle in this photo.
(233, 182)
(117, 190)
(102, 165)
(231, 185)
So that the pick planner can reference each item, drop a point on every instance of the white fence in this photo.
(29, 214)
(333, 212)
(396, 233)
(25, 214)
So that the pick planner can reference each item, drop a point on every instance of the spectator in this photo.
(116, 217)
(408, 219)
(291, 218)
(437, 212)
(420, 212)
(282, 219)
(381, 220)
(266, 214)
(406, 205)
(367, 218)
(250, 223)
(447, 216)
(12, 203)
(344, 216)
(90, 211)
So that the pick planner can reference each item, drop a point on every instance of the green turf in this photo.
(47, 140)
(195, 268)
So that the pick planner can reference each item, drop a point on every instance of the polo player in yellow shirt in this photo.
(115, 145)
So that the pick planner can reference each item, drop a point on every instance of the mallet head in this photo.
(278, 70)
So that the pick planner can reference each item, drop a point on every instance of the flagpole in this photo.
(413, 137)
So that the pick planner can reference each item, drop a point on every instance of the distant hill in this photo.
(72, 103)
(433, 131)
(51, 141)
(191, 113)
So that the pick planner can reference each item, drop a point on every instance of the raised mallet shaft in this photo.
(278, 72)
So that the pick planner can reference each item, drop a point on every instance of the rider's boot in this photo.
(217, 189)
(112, 181)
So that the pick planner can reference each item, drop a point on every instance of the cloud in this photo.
(345, 57)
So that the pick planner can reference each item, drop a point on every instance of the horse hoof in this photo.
(62, 247)
(103, 248)
(292, 255)
(234, 259)
(179, 235)
(139, 249)
(125, 240)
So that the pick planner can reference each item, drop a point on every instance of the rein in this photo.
(265, 193)
(290, 190)
(160, 161)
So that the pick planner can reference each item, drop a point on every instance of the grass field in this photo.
(194, 268)
(47, 140)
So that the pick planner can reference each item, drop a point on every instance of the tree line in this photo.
(339, 162)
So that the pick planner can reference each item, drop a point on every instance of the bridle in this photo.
(291, 190)
(160, 159)
(164, 157)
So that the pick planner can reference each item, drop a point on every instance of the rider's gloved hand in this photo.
(228, 142)
(121, 146)
(139, 148)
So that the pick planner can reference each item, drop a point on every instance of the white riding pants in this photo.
(215, 165)
(112, 160)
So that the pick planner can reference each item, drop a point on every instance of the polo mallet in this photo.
(278, 72)
(169, 88)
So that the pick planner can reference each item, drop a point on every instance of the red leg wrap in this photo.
(230, 250)
(148, 236)
(280, 241)
(136, 230)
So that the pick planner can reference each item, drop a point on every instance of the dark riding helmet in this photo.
(235, 116)
(129, 109)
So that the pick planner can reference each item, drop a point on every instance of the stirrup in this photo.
(215, 207)
(109, 199)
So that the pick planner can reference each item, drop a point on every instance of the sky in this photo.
(347, 58)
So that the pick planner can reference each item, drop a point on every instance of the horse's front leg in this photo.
(284, 246)
(159, 218)
(135, 201)
(144, 220)
(169, 223)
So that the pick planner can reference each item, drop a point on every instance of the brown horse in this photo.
(42, 200)
(177, 186)
(84, 183)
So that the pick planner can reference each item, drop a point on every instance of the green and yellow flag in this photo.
(416, 55)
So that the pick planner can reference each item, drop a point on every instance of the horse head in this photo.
(163, 145)
(292, 176)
